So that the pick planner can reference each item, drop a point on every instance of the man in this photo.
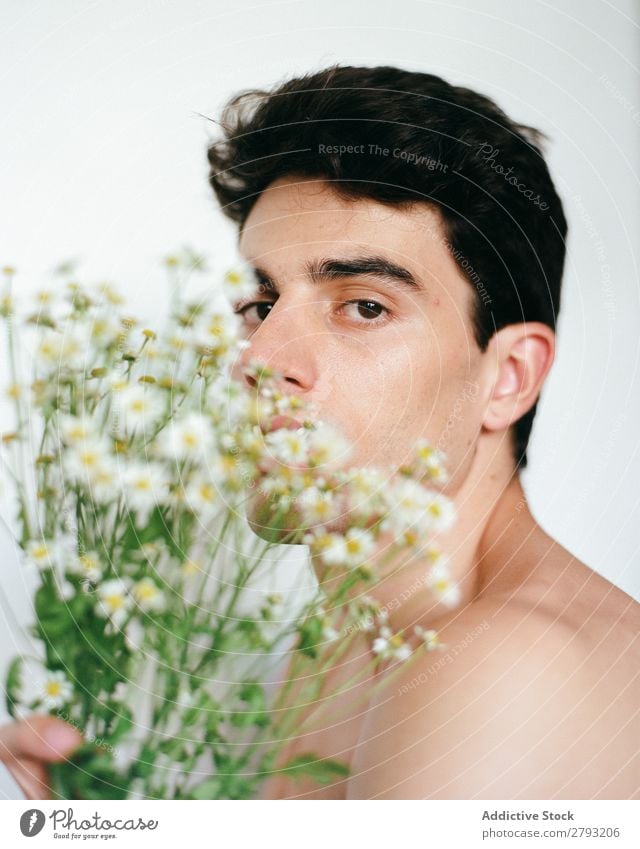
(409, 243)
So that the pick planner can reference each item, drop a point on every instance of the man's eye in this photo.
(362, 310)
(370, 311)
(261, 310)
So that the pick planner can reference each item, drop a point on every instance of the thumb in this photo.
(39, 737)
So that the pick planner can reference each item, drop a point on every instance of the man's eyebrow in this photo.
(371, 266)
(320, 270)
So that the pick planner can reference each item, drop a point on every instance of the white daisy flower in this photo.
(191, 567)
(239, 282)
(190, 438)
(441, 512)
(56, 690)
(138, 406)
(359, 545)
(62, 349)
(251, 442)
(114, 601)
(75, 430)
(87, 566)
(366, 485)
(216, 332)
(288, 446)
(105, 331)
(47, 297)
(429, 637)
(350, 550)
(391, 646)
(117, 381)
(149, 596)
(102, 481)
(407, 501)
(411, 506)
(381, 643)
(317, 506)
(85, 458)
(42, 553)
(439, 580)
(402, 652)
(145, 486)
(331, 548)
(430, 461)
(201, 495)
(327, 446)
(227, 470)
(52, 552)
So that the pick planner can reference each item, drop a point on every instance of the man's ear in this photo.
(520, 356)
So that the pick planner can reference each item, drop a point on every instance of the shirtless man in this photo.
(410, 287)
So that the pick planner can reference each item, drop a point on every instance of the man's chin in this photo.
(273, 524)
(276, 525)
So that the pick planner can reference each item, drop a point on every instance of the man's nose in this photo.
(284, 342)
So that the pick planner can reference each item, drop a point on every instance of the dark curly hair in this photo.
(446, 145)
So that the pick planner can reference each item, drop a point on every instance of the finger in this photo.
(40, 738)
(31, 777)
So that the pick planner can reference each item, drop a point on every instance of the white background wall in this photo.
(102, 156)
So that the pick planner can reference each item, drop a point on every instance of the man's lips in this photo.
(280, 422)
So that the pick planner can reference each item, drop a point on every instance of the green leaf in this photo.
(156, 528)
(173, 747)
(12, 686)
(322, 771)
(211, 788)
(310, 636)
(144, 765)
(88, 774)
(252, 694)
(123, 724)
(205, 709)
(223, 786)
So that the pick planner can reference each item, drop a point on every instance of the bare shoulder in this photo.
(517, 703)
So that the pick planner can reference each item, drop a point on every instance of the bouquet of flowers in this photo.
(134, 457)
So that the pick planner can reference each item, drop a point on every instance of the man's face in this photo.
(387, 360)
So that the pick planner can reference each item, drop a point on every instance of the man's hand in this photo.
(27, 747)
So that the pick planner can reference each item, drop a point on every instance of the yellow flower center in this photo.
(89, 458)
(353, 546)
(207, 492)
(88, 563)
(190, 567)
